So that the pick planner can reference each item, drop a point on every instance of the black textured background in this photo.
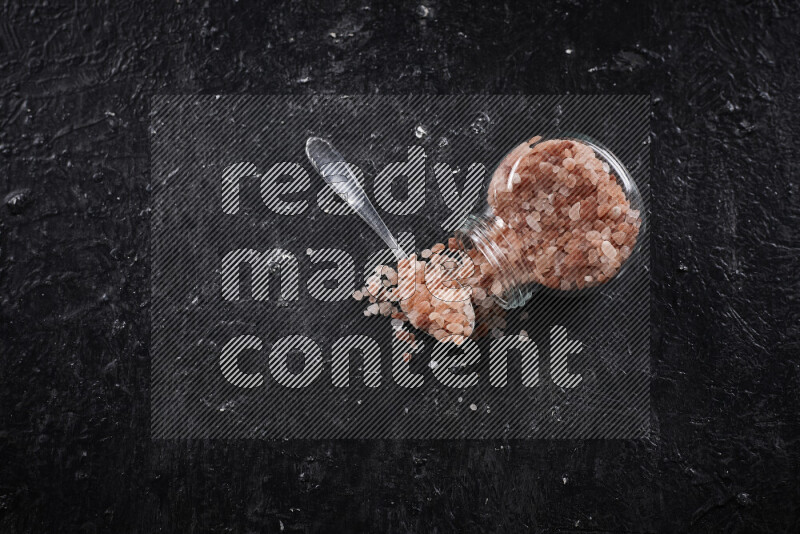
(74, 444)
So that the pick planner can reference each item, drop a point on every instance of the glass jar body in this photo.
(561, 213)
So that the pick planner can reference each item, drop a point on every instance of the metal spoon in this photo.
(337, 174)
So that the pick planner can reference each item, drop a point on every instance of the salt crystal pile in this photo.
(424, 292)
(564, 222)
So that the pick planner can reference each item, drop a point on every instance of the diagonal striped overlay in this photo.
(253, 259)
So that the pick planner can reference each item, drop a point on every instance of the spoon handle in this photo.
(337, 174)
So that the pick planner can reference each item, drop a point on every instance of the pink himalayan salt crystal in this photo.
(609, 250)
(575, 211)
(533, 223)
(455, 328)
(497, 288)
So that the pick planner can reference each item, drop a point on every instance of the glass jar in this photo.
(562, 213)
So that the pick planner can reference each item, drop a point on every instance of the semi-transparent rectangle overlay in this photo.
(254, 261)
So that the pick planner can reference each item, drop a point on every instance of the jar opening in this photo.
(481, 234)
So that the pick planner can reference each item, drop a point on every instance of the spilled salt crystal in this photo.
(497, 288)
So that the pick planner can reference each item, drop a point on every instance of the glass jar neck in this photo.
(488, 234)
